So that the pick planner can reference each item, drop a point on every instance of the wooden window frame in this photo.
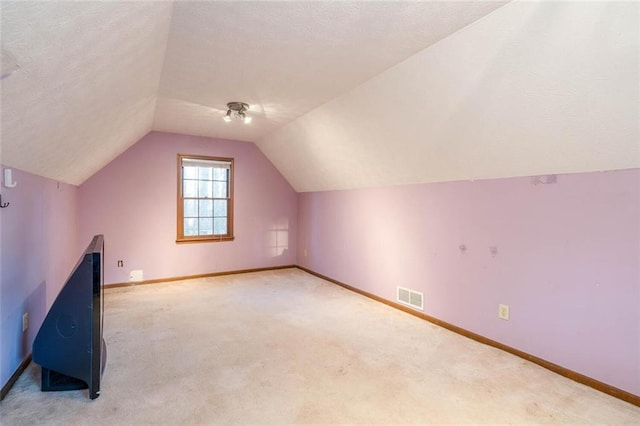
(181, 238)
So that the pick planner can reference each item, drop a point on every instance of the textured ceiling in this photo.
(535, 88)
(86, 85)
(88, 79)
(286, 58)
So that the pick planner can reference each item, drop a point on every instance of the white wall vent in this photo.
(412, 298)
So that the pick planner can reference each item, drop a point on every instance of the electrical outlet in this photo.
(120, 263)
(503, 312)
(25, 321)
(136, 275)
(304, 253)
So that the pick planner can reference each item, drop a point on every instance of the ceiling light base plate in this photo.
(238, 106)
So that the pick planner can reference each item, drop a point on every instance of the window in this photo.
(205, 198)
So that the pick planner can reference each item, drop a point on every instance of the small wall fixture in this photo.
(237, 110)
(8, 179)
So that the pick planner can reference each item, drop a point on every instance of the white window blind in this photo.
(198, 162)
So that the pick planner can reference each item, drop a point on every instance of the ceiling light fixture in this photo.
(237, 110)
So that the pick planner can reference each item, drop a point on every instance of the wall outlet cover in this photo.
(136, 275)
(503, 312)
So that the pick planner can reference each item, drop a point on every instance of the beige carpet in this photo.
(284, 347)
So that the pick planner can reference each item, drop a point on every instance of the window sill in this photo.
(203, 240)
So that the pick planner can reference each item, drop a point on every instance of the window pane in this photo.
(220, 189)
(204, 189)
(191, 227)
(206, 198)
(206, 208)
(205, 173)
(190, 188)
(220, 226)
(190, 208)
(220, 174)
(206, 226)
(190, 172)
(220, 208)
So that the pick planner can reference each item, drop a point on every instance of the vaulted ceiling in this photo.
(334, 86)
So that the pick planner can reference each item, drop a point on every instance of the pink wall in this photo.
(132, 201)
(567, 262)
(39, 249)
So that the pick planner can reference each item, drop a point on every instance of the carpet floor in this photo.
(285, 347)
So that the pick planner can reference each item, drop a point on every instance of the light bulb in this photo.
(227, 117)
(247, 120)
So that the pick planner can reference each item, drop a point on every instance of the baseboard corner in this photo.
(14, 377)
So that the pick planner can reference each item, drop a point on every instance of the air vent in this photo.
(411, 298)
